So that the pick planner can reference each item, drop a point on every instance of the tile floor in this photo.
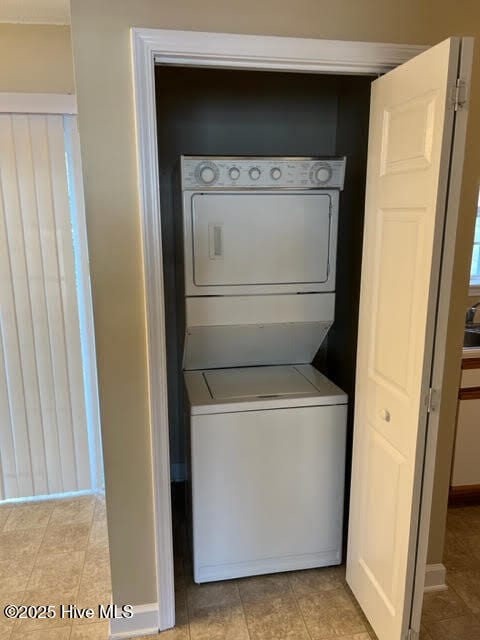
(455, 614)
(54, 552)
(57, 551)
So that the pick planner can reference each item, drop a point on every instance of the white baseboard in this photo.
(178, 472)
(435, 577)
(144, 622)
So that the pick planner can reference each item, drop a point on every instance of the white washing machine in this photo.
(268, 459)
(267, 430)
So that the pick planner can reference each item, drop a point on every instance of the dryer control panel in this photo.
(219, 172)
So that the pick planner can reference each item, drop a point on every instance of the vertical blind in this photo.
(44, 447)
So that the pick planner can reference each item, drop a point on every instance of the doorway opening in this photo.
(212, 112)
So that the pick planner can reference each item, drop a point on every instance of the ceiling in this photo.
(35, 11)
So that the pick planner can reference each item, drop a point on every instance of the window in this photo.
(475, 268)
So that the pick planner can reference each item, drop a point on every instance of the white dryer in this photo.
(267, 429)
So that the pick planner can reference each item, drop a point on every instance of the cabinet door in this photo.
(466, 462)
(410, 138)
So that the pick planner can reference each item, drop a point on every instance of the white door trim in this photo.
(220, 50)
(48, 103)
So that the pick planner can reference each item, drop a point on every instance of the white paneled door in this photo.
(410, 138)
(46, 442)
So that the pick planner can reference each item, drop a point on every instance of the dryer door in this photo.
(251, 242)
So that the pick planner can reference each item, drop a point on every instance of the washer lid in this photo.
(259, 388)
(257, 382)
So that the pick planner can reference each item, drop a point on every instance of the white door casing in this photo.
(203, 49)
(410, 137)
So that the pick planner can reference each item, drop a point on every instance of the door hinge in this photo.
(430, 400)
(412, 635)
(459, 95)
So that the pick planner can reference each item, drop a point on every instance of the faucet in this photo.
(470, 316)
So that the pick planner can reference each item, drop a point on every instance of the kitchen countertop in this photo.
(471, 352)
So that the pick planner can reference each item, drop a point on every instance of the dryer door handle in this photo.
(215, 240)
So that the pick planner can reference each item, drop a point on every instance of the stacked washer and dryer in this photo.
(267, 430)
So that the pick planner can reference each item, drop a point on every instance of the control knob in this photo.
(234, 173)
(207, 173)
(320, 173)
(254, 173)
(276, 173)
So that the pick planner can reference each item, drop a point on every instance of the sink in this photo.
(471, 337)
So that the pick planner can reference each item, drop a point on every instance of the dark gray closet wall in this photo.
(352, 140)
(219, 112)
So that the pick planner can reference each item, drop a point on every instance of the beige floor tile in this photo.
(261, 587)
(62, 633)
(441, 605)
(181, 611)
(331, 613)
(99, 535)
(18, 543)
(29, 516)
(424, 635)
(181, 583)
(467, 586)
(51, 572)
(74, 511)
(471, 541)
(458, 553)
(54, 596)
(100, 513)
(94, 631)
(212, 593)
(219, 623)
(6, 624)
(91, 596)
(96, 569)
(456, 521)
(276, 618)
(4, 513)
(14, 575)
(461, 520)
(65, 538)
(61, 570)
(314, 580)
(463, 628)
